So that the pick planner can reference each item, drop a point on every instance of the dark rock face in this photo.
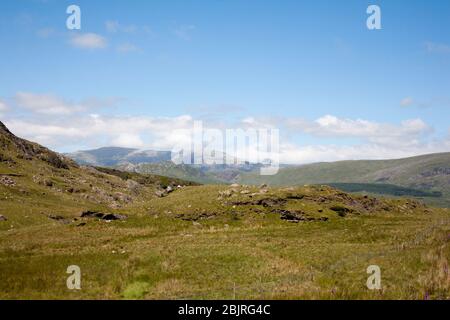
(59, 218)
(4, 129)
(341, 210)
(165, 192)
(297, 216)
(438, 171)
(160, 193)
(55, 217)
(266, 202)
(102, 216)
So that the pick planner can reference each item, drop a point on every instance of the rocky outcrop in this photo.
(7, 181)
(102, 216)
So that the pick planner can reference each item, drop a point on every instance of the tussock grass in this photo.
(197, 244)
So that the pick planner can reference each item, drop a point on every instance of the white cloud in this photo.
(375, 140)
(294, 154)
(88, 41)
(51, 105)
(45, 104)
(409, 131)
(184, 32)
(128, 47)
(433, 47)
(97, 131)
(128, 140)
(407, 102)
(114, 26)
(81, 130)
(3, 106)
(45, 32)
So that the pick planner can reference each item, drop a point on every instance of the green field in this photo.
(194, 244)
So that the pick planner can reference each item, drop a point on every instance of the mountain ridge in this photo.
(429, 173)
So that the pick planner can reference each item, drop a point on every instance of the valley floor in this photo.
(161, 253)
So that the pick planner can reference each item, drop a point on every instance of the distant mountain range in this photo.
(425, 176)
(159, 162)
(114, 156)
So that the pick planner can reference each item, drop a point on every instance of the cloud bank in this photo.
(68, 126)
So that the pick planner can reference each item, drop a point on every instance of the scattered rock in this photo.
(235, 185)
(265, 202)
(295, 196)
(59, 219)
(160, 193)
(3, 218)
(226, 193)
(297, 216)
(263, 186)
(122, 197)
(169, 189)
(48, 183)
(102, 216)
(7, 181)
(292, 216)
(270, 202)
(341, 210)
(131, 184)
(55, 217)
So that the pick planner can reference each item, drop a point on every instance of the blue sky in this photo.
(310, 68)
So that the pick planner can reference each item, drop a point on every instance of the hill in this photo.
(428, 173)
(45, 178)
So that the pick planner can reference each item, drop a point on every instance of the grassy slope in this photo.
(196, 244)
(413, 172)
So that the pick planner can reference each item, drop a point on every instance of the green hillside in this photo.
(430, 173)
(170, 169)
